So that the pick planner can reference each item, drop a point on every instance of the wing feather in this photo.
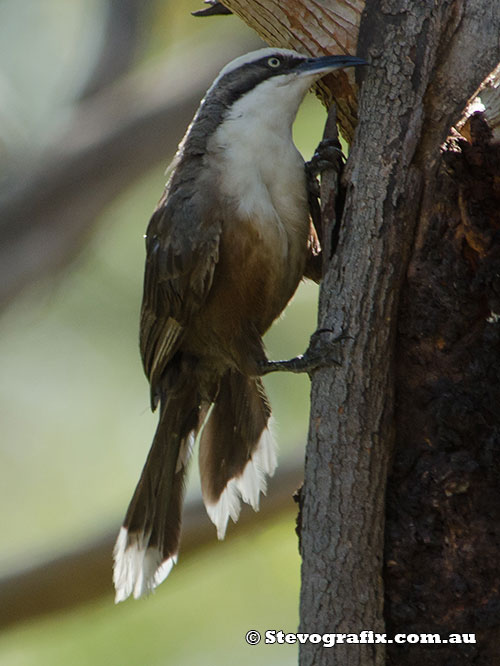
(182, 250)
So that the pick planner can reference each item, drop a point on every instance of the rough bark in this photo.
(443, 506)
(410, 96)
(489, 102)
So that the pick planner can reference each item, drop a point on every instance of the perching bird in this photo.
(226, 249)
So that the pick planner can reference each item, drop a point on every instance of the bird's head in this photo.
(274, 77)
(263, 87)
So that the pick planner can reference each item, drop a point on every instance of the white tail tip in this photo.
(138, 568)
(246, 487)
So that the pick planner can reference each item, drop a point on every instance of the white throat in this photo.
(258, 165)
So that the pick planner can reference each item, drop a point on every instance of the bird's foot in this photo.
(328, 155)
(322, 352)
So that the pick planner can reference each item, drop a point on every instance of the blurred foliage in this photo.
(74, 406)
(199, 616)
(47, 50)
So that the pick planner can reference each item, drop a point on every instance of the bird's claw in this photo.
(328, 155)
(322, 352)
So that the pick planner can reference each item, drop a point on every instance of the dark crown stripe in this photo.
(231, 87)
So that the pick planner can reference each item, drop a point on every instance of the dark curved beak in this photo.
(326, 64)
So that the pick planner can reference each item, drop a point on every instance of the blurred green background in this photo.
(74, 405)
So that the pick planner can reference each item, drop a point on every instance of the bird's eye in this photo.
(274, 62)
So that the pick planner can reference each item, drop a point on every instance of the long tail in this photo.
(237, 450)
(148, 542)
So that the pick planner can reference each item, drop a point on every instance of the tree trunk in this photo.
(412, 284)
(443, 504)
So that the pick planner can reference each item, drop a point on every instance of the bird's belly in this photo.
(256, 275)
(255, 280)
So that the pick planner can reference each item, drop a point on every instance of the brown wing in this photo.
(182, 249)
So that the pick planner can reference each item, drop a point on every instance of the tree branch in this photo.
(85, 574)
(124, 29)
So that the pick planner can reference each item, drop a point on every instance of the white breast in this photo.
(259, 169)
